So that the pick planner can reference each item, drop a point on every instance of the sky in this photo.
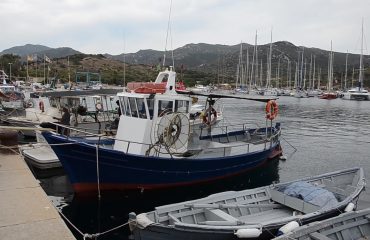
(126, 26)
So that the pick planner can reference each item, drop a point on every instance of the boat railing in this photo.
(71, 132)
(225, 129)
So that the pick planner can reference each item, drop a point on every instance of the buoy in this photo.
(283, 157)
(248, 233)
(287, 228)
(349, 207)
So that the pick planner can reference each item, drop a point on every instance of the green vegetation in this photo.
(112, 71)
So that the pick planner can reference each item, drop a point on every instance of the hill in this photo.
(40, 50)
(208, 63)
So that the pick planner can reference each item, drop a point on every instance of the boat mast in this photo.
(239, 67)
(310, 75)
(288, 76)
(252, 77)
(247, 68)
(314, 71)
(361, 73)
(345, 75)
(301, 71)
(268, 84)
(330, 68)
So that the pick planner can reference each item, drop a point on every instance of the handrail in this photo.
(269, 139)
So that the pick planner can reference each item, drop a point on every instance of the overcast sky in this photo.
(117, 26)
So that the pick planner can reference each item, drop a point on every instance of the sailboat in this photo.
(359, 93)
(329, 94)
(299, 91)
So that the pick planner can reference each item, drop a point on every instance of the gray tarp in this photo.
(309, 193)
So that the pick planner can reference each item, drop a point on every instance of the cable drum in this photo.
(170, 135)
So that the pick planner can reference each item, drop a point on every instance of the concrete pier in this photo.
(25, 210)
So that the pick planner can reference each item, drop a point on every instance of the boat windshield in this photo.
(134, 107)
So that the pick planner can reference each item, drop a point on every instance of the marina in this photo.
(248, 124)
(313, 124)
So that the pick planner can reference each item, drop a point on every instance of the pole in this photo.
(44, 71)
(10, 72)
(27, 70)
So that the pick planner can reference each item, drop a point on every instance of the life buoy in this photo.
(209, 119)
(28, 104)
(99, 106)
(41, 106)
(272, 110)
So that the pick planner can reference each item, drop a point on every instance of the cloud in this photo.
(95, 26)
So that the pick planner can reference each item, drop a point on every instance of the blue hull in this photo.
(120, 171)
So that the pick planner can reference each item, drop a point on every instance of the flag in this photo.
(47, 59)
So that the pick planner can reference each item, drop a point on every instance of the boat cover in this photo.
(312, 194)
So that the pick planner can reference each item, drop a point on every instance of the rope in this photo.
(97, 167)
(295, 149)
(11, 148)
(94, 235)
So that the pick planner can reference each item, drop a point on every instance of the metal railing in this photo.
(71, 134)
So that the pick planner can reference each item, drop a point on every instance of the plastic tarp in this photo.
(312, 194)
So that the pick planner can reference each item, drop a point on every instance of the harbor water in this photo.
(328, 135)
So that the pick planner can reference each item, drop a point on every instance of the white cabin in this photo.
(142, 112)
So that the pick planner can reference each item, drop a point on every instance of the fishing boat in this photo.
(157, 145)
(261, 212)
(10, 97)
(350, 225)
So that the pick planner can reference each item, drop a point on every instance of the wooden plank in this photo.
(319, 236)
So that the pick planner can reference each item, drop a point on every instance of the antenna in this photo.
(124, 59)
(168, 30)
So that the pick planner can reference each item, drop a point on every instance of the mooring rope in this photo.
(97, 167)
(93, 235)
(294, 148)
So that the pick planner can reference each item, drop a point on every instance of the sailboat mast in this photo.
(239, 67)
(269, 63)
(252, 78)
(361, 73)
(345, 75)
(314, 71)
(330, 68)
(288, 76)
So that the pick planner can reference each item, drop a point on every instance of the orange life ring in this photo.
(209, 120)
(41, 106)
(272, 110)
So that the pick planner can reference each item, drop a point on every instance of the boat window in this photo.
(150, 103)
(125, 106)
(164, 107)
(181, 106)
(133, 107)
(141, 107)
